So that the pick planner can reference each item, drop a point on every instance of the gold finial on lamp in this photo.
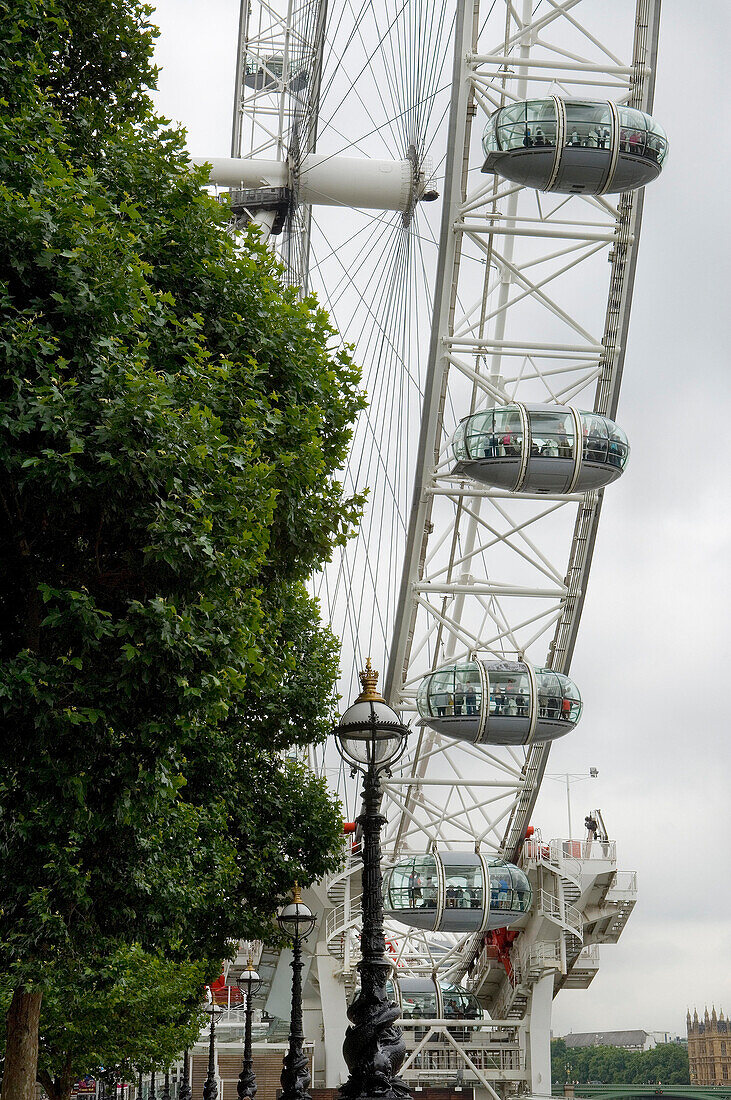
(369, 678)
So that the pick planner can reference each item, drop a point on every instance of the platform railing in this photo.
(479, 1050)
(567, 855)
(625, 882)
(563, 912)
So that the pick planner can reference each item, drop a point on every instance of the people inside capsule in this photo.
(511, 706)
(522, 143)
(455, 897)
(539, 449)
(427, 999)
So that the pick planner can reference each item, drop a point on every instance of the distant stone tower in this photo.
(709, 1048)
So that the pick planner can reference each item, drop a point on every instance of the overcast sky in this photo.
(653, 642)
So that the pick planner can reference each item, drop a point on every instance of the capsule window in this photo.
(521, 889)
(509, 888)
(441, 693)
(463, 886)
(588, 125)
(571, 704)
(526, 125)
(595, 438)
(550, 695)
(489, 137)
(633, 135)
(478, 436)
(419, 1006)
(451, 692)
(412, 884)
(459, 1004)
(507, 441)
(509, 694)
(558, 696)
(656, 145)
(501, 888)
(552, 434)
(467, 691)
(618, 452)
(459, 445)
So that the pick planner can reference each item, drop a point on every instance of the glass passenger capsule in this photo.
(455, 892)
(574, 146)
(540, 449)
(498, 702)
(429, 999)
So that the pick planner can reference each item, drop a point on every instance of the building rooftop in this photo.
(607, 1038)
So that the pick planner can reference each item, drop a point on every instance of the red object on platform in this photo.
(501, 938)
(348, 826)
(223, 994)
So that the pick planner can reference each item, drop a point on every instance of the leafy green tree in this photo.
(132, 1011)
(666, 1062)
(172, 418)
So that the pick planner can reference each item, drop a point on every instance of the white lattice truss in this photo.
(486, 571)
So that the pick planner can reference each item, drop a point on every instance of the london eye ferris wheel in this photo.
(461, 182)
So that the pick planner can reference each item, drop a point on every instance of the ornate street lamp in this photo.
(210, 1088)
(250, 984)
(371, 739)
(185, 1092)
(296, 921)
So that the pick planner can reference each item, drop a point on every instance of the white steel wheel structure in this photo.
(349, 117)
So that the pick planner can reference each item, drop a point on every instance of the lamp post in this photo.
(184, 1092)
(210, 1088)
(371, 738)
(296, 921)
(250, 984)
(568, 778)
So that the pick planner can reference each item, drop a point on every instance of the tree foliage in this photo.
(172, 418)
(115, 1016)
(666, 1063)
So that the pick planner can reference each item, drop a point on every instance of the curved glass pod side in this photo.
(574, 146)
(419, 999)
(455, 892)
(540, 449)
(498, 702)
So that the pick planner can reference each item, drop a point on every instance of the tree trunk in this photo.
(58, 1088)
(21, 1053)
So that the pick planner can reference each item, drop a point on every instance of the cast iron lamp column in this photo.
(371, 738)
(210, 1089)
(250, 984)
(296, 921)
(185, 1092)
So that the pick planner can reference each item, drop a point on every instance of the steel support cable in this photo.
(368, 534)
(356, 475)
(365, 67)
(421, 513)
(390, 376)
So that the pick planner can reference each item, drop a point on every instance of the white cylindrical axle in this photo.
(357, 182)
(325, 180)
(243, 172)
